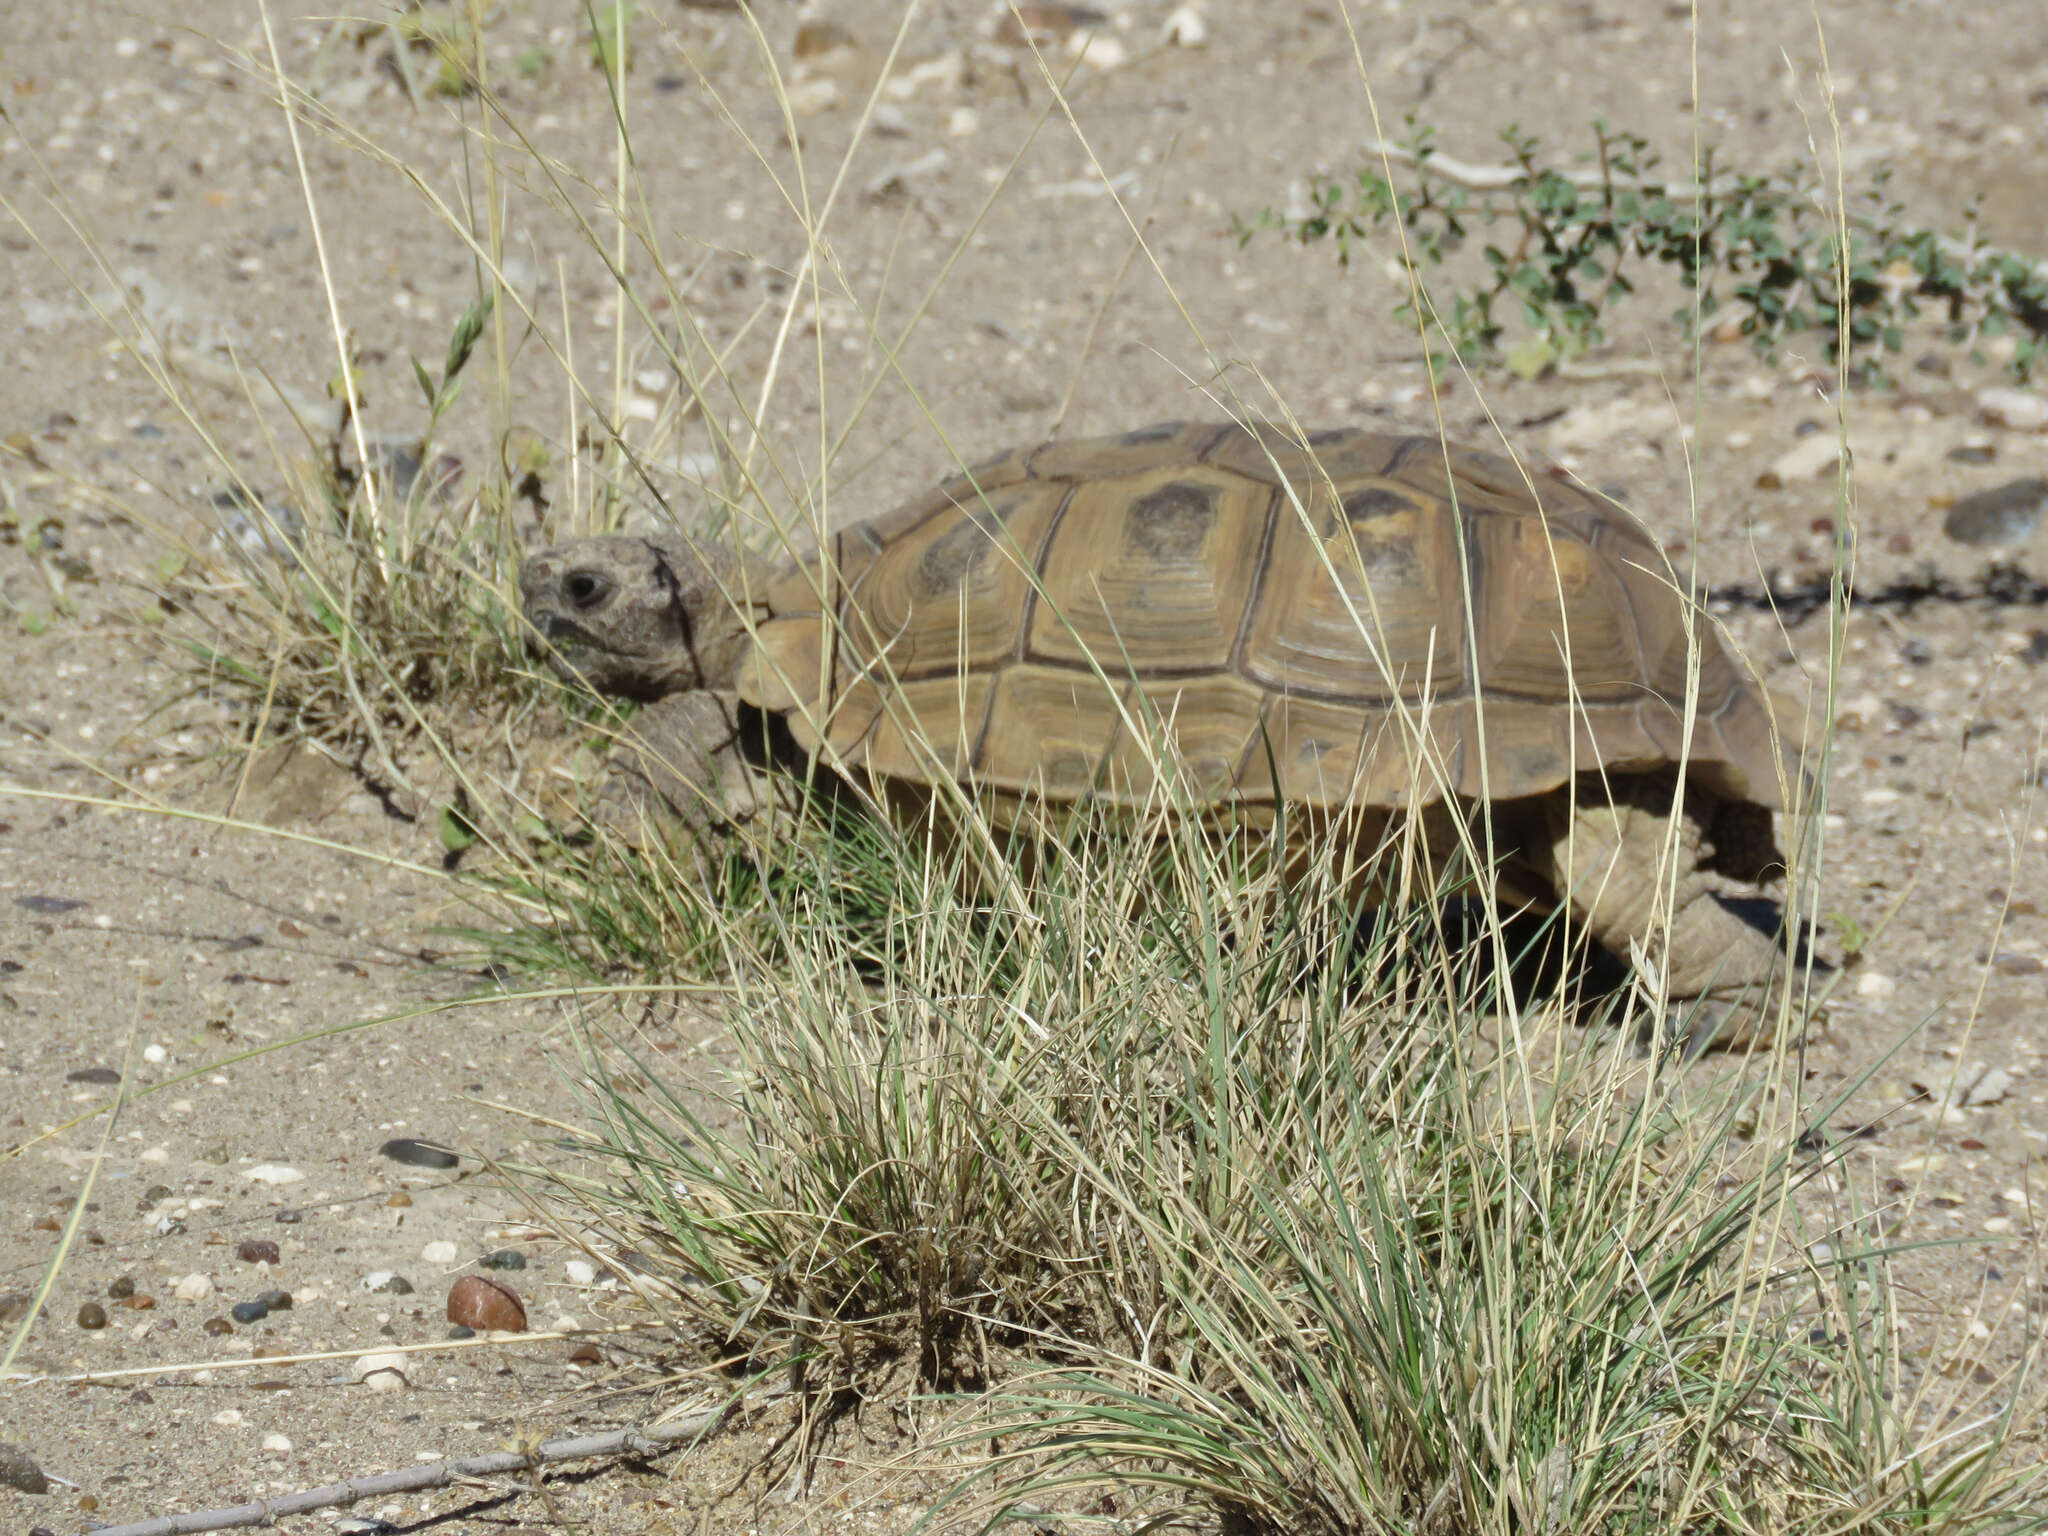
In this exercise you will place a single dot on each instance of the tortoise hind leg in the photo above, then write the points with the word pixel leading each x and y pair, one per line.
pixel 1616 864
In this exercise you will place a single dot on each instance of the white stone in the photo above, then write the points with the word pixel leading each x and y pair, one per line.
pixel 155 1055
pixel 580 1271
pixel 963 122
pixel 228 1416
pixel 194 1287
pixel 1875 984
pixel 274 1173
pixel 381 1372
pixel 1994 1085
pixel 442 1252
pixel 276 1442
pixel 807 98
pixel 1099 51
pixel 2020 409
pixel 1186 28
pixel 1808 457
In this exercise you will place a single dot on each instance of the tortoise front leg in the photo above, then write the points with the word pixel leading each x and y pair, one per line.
pixel 1615 865
pixel 680 762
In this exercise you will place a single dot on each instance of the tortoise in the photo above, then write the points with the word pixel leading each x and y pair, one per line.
pixel 1344 622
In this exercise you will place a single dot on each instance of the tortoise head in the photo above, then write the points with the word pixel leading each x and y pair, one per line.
pixel 636 617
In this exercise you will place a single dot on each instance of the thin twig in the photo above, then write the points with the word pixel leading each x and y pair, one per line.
pixel 437 1474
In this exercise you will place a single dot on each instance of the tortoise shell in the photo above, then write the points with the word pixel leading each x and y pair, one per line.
pixel 1374 621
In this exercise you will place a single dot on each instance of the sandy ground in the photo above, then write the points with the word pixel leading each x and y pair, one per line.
pixel 167 947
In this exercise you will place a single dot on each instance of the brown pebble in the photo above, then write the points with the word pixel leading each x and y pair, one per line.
pixel 817 37
pixel 88 1502
pixel 2021 965
pixel 1900 543
pixel 122 1288
pixel 486 1305
pixel 1970 1144
pixel 270 1352
pixel 1043 23
pixel 586 1353
pixel 399 1200
pixel 46 1224
pixel 290 929
pixel 214 1327
pixel 140 1301
pixel 92 1315
pixel 257 1250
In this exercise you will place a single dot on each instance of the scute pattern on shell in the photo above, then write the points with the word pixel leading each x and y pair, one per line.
pixel 1292 624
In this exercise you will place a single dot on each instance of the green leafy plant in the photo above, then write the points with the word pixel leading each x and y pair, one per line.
pixel 1563 244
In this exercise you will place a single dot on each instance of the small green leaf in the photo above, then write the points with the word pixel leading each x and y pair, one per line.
pixel 1531 357
pixel 456 831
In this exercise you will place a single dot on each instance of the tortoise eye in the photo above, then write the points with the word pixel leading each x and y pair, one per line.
pixel 585 589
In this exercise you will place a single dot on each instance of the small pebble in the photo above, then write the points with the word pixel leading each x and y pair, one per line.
pixel 2005 515
pixel 418 1154
pixel 277 1442
pixel 1186 28
pixel 1994 1085
pixel 122 1288
pixel 1812 456
pixel 807 98
pixel 273 1173
pixel 194 1287
pixel 486 1305
pixel 398 1200
pixel 442 1252
pixel 387 1283
pixel 276 1301
pixel 380 1373
pixel 141 1301
pixel 104 1076
pixel 228 1417
pixel 1034 21
pixel 504 1258
pixel 216 1327
pixel 92 1315
pixel 257 1250
pixel 2019 409
pixel 18 1469
pixel 814 39
pixel 580 1271
pixel 155 1055
pixel 247 1312
pixel 51 906
pixel 1972 453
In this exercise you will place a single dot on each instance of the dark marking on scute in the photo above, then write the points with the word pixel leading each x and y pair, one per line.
pixel 1158 432
pixel 1376 501
pixel 1172 524
pixel 951 560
